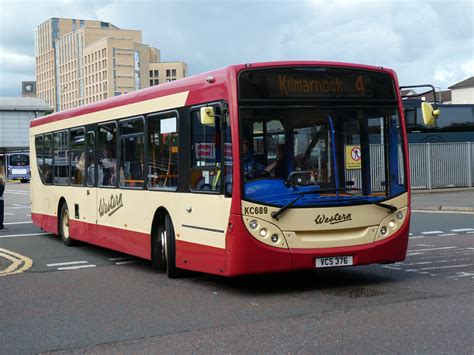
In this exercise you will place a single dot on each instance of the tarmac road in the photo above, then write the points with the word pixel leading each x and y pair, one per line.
pixel 90 300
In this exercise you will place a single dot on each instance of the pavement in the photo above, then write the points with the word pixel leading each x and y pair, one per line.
pixel 456 200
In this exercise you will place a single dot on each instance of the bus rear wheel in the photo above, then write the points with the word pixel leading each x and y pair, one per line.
pixel 164 249
pixel 64 226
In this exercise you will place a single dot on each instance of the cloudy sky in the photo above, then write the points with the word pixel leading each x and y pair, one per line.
pixel 425 41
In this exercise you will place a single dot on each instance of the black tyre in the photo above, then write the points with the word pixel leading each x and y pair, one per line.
pixel 171 269
pixel 64 226
pixel 158 248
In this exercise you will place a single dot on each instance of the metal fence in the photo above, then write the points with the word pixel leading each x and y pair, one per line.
pixel 432 165
pixel 441 165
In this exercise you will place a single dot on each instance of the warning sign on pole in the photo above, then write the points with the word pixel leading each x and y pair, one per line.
pixel 353 156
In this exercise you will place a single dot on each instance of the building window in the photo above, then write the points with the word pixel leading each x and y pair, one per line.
pixel 173 72
pixel 151 72
pixel 157 81
pixel 151 82
pixel 157 73
pixel 168 72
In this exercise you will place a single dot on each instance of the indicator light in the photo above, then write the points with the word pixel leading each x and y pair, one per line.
pixel 383 230
pixel 392 224
pixel 275 238
pixel 399 216
pixel 253 224
pixel 263 232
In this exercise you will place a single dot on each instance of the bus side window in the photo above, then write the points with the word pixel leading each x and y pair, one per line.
pixel 91 152
pixel 107 154
pixel 132 152
pixel 78 157
pixel 206 153
pixel 39 155
pixel 47 168
pixel 162 167
pixel 61 158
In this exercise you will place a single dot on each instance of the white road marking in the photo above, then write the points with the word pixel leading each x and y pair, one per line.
pixel 447 212
pixel 76 267
pixel 432 232
pixel 120 258
pixel 417 237
pixel 128 262
pixel 21 235
pixel 445 267
pixel 462 274
pixel 462 230
pixel 21 222
pixel 68 263
pixel 470 232
pixel 447 234
pixel 430 249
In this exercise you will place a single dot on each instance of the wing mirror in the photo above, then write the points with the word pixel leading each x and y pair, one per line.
pixel 429 114
pixel 208 116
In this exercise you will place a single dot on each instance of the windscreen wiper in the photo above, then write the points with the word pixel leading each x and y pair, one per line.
pixel 282 210
pixel 391 208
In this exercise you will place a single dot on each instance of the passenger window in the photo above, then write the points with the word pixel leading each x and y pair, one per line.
pixel 107 154
pixel 91 152
pixel 39 155
pixel 47 168
pixel 61 158
pixel 163 151
pixel 206 154
pixel 132 153
pixel 78 157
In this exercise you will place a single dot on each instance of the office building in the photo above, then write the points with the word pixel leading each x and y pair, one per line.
pixel 83 61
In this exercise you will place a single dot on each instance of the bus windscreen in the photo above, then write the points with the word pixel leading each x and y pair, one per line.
pixel 315 83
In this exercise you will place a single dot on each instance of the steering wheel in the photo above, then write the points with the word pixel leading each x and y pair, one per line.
pixel 256 174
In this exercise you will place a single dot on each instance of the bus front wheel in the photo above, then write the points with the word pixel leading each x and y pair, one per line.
pixel 64 226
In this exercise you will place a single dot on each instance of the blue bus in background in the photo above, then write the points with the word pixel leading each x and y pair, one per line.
pixel 454 124
pixel 18 166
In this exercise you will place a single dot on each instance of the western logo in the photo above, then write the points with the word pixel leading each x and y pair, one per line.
pixel 110 206
pixel 334 219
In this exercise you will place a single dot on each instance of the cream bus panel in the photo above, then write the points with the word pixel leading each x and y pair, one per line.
pixel 139 108
pixel 332 226
pixel 204 218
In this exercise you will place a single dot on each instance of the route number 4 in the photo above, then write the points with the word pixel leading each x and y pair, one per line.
pixel 359 85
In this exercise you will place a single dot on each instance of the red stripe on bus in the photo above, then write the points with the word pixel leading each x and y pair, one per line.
pixel 201 258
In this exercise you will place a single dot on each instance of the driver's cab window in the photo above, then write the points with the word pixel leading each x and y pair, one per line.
pixel 264 152
pixel 207 152
pixel 311 150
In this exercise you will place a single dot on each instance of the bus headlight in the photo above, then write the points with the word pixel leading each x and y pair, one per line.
pixel 383 230
pixel 399 215
pixel 263 232
pixel 392 224
pixel 275 238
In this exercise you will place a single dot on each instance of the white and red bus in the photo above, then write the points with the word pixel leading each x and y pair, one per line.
pixel 253 168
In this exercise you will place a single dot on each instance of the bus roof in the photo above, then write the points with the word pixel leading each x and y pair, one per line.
pixel 193 83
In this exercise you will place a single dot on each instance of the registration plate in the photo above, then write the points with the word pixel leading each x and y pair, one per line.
pixel 334 261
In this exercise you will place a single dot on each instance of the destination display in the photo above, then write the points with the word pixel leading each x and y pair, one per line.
pixel 317 83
